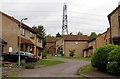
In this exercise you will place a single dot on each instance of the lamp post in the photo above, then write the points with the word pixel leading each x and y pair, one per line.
pixel 20 40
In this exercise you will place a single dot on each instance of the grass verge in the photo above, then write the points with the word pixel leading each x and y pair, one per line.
pixel 13 74
pixel 86 68
pixel 78 58
pixel 49 62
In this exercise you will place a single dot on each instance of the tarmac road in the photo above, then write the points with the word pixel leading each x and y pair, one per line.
pixel 68 69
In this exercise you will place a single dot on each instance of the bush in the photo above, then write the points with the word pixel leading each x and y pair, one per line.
pixel 72 52
pixel 100 57
pixel 114 55
pixel 113 67
pixel 29 66
pixel 44 54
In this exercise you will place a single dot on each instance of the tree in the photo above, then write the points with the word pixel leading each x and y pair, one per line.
pixel 71 33
pixel 58 35
pixel 49 36
pixel 39 30
pixel 79 33
pixel 92 35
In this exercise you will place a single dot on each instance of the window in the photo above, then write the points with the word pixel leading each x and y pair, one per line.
pixel 22 31
pixel 31 35
pixel 39 40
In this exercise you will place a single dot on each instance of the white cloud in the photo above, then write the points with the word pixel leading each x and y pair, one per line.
pixel 83 15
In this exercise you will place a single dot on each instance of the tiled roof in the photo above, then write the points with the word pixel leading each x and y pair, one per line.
pixel 18 22
pixel 114 10
pixel 75 37
pixel 51 40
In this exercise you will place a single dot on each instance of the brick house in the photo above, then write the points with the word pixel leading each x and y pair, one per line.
pixel 90 49
pixel 59 46
pixel 30 41
pixel 114 21
pixel 75 42
pixel 51 45
pixel 100 40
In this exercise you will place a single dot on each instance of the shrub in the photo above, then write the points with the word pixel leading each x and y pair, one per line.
pixel 114 55
pixel 44 54
pixel 29 66
pixel 113 67
pixel 100 57
pixel 72 52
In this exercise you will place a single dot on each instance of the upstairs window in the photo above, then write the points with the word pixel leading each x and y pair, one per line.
pixel 22 31
pixel 31 35
pixel 39 40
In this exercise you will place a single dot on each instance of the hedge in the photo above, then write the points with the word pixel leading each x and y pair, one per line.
pixel 113 66
pixel 100 57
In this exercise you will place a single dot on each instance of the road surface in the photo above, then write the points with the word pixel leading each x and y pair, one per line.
pixel 68 69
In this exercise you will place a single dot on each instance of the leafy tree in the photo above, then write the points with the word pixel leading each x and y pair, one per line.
pixel 79 33
pixel 71 33
pixel 40 30
pixel 92 35
pixel 58 35
pixel 49 36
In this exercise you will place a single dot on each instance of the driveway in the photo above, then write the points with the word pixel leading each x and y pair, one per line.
pixel 67 69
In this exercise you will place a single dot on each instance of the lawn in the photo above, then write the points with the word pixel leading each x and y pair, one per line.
pixel 86 68
pixel 78 58
pixel 49 62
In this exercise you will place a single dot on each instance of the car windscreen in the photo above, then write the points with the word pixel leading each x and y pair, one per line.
pixel 28 53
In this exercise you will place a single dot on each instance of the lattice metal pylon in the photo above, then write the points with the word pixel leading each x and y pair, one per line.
pixel 64 20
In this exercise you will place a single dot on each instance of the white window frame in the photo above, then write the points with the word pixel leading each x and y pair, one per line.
pixel 31 35
pixel 22 31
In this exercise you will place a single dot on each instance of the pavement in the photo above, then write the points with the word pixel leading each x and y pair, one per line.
pixel 95 74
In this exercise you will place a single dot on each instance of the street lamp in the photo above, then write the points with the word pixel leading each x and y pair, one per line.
pixel 20 40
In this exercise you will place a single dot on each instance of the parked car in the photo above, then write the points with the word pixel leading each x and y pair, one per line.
pixel 24 57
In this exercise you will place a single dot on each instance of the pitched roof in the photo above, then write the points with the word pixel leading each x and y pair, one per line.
pixel 75 37
pixel 51 40
pixel 114 11
pixel 18 22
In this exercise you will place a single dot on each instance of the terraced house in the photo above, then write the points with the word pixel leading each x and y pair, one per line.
pixel 114 20
pixel 11 33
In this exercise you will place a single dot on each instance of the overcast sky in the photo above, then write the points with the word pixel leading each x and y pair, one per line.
pixel 85 16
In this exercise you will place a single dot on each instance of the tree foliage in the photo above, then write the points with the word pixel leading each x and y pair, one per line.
pixel 92 35
pixel 79 33
pixel 58 35
pixel 40 30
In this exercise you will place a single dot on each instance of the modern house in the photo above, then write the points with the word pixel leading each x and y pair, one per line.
pixel 51 45
pixel 64 45
pixel 100 40
pixel 87 52
pixel 75 42
pixel 12 33
pixel 114 21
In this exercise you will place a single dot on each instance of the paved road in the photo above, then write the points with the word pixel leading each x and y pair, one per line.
pixel 67 69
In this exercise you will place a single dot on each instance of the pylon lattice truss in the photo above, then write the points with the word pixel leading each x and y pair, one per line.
pixel 64 20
